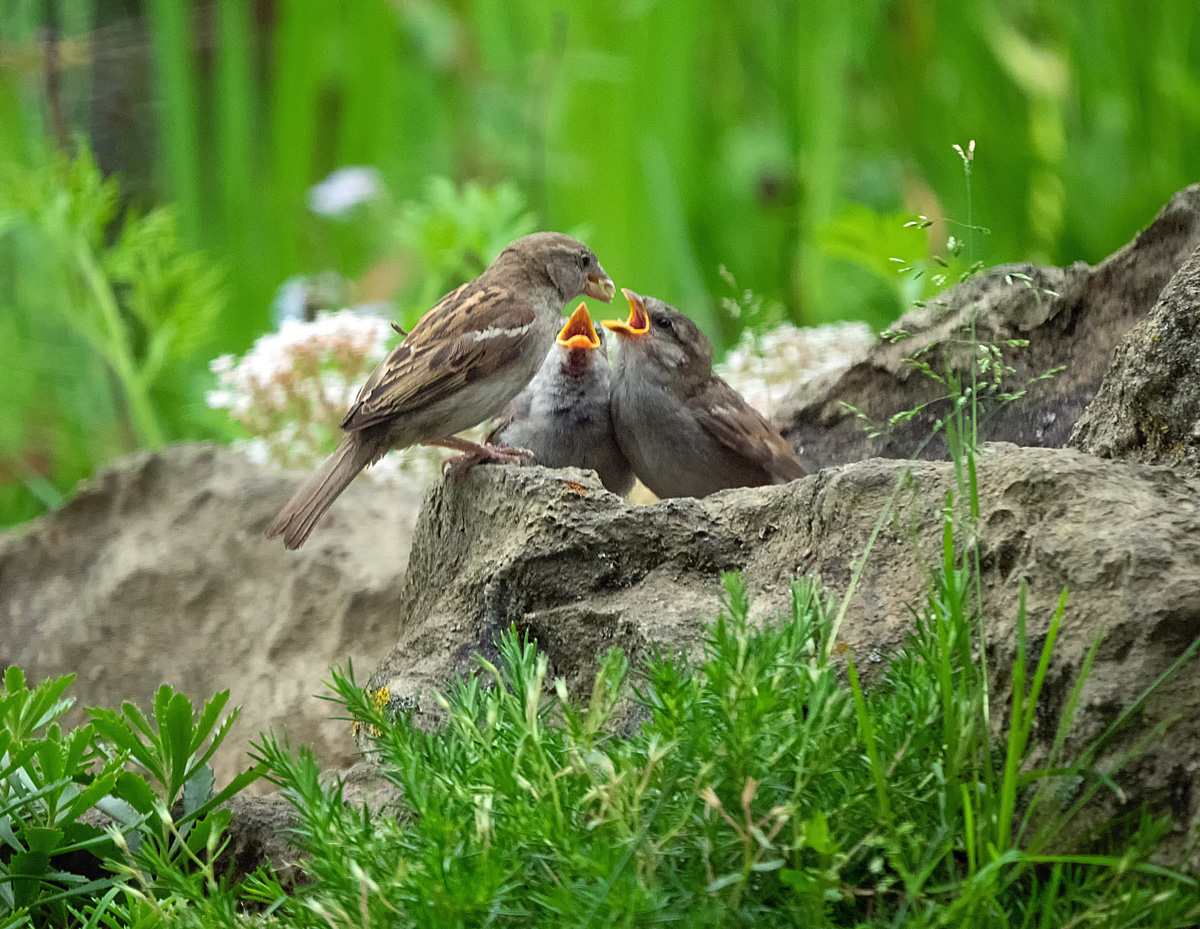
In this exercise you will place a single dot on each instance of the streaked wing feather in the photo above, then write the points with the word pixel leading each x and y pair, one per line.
pixel 743 430
pixel 429 365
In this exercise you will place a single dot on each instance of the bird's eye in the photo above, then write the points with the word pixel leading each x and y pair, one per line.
pixel 663 323
pixel 583 259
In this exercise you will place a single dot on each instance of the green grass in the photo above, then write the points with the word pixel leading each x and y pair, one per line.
pixel 763 788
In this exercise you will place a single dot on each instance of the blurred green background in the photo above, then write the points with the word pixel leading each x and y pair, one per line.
pixel 156 159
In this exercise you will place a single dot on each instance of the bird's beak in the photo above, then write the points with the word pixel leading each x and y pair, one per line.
pixel 638 323
pixel 600 286
pixel 579 332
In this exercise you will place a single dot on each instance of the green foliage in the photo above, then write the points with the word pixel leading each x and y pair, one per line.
pixel 453 233
pixel 760 789
pixel 173 749
pixel 104 324
pixel 48 780
pixel 779 139
pixel 54 859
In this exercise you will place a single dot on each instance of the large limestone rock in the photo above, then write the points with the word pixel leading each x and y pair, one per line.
pixel 157 571
pixel 1148 408
pixel 1073 318
pixel 579 570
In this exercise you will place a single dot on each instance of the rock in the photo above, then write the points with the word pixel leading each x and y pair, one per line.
pixel 157 571
pixel 1148 407
pixel 1073 318
pixel 579 570
pixel 260 828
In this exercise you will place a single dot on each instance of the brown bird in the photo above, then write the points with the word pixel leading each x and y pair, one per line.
pixel 564 416
pixel 686 432
pixel 461 364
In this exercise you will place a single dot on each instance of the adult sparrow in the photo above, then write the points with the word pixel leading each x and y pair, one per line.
pixel 564 416
pixel 461 364
pixel 686 432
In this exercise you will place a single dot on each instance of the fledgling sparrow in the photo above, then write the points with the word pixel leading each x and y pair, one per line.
pixel 686 432
pixel 461 364
pixel 563 416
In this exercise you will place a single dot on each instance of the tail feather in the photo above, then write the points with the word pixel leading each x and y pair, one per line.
pixel 296 520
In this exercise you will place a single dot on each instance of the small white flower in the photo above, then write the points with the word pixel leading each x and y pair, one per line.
pixel 343 190
pixel 219 399
pixel 256 450
pixel 334 390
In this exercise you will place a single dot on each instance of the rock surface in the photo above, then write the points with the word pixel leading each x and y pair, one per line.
pixel 157 571
pixel 580 570
pixel 1073 317
pixel 1148 408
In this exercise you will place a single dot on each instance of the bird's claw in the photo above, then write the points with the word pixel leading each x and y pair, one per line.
pixel 458 465
pixel 512 454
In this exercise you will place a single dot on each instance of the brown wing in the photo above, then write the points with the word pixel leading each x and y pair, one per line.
pixel 472 330
pixel 742 429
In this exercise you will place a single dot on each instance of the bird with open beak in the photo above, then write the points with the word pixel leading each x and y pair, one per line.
pixel 563 417
pixel 461 364
pixel 686 432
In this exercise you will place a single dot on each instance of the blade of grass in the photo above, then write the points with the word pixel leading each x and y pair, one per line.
pixel 173 41
pixel 867 735
pixel 235 117
pixel 295 89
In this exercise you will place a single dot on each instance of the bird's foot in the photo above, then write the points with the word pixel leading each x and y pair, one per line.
pixel 474 454
pixel 513 454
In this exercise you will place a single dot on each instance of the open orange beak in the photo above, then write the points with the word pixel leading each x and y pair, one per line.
pixel 579 332
pixel 639 321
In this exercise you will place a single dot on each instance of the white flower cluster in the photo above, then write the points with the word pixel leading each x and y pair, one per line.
pixel 765 367
pixel 291 390
pixel 303 362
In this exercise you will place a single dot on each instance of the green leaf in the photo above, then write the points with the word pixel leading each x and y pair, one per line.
pixel 134 790
pixel 198 790
pixel 209 719
pixel 212 825
pixel 175 726
pixel 239 783
pixel 725 881
pixel 14 680
pixel 42 840
pixel 816 834
pixel 100 786
pixel 26 870
pixel 133 713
